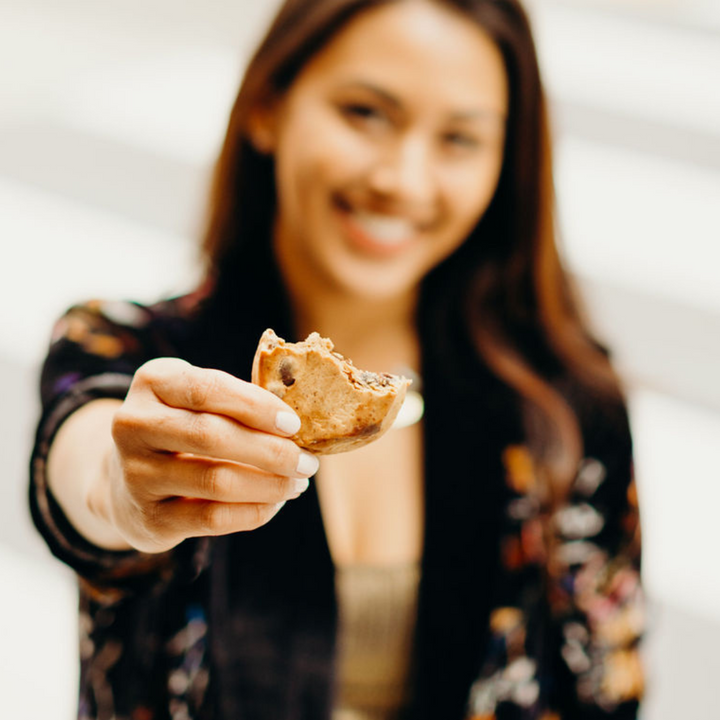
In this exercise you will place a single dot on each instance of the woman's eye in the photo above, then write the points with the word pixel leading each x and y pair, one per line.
pixel 363 113
pixel 462 141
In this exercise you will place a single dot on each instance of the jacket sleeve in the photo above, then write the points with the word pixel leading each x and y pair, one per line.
pixel 565 632
pixel 95 350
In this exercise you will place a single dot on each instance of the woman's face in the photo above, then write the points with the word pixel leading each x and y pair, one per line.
pixel 388 147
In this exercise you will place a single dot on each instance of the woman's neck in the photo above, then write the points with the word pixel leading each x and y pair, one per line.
pixel 378 335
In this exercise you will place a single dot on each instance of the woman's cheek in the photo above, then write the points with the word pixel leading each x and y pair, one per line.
pixel 475 188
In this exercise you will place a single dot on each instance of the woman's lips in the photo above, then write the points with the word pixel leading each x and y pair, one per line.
pixel 375 233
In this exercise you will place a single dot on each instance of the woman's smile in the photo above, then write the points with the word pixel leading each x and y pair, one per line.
pixel 376 234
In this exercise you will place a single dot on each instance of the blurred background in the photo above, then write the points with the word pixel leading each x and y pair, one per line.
pixel 111 114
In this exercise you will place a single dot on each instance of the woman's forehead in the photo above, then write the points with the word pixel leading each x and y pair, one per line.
pixel 415 45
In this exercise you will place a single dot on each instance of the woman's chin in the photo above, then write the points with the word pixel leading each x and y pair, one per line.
pixel 374 286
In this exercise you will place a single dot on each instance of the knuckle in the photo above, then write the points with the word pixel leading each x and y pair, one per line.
pixel 281 489
pixel 134 475
pixel 214 482
pixel 124 424
pixel 255 399
pixel 199 431
pixel 150 372
pixel 153 517
pixel 157 371
pixel 130 426
pixel 214 518
pixel 258 516
pixel 199 388
pixel 281 453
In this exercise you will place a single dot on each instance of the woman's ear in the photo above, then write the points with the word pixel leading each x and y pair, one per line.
pixel 262 125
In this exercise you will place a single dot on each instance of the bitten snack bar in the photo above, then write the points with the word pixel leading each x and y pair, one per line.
pixel 341 407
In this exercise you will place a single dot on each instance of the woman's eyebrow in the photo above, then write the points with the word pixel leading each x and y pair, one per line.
pixel 473 114
pixel 481 114
pixel 387 96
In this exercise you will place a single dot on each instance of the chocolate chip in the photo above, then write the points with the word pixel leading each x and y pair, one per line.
pixel 286 374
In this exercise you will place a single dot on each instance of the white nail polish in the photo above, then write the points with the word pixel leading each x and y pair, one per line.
pixel 300 485
pixel 287 422
pixel 307 464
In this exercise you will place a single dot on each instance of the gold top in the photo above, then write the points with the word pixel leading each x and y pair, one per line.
pixel 377 615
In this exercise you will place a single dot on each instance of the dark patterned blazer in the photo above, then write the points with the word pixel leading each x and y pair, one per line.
pixel 243 627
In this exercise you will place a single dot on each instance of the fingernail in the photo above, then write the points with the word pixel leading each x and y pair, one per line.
pixel 287 422
pixel 300 485
pixel 307 464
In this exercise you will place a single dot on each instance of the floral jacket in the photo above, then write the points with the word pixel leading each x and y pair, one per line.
pixel 510 626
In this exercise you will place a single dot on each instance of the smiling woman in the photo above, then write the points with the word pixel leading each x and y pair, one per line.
pixel 385 181
pixel 383 166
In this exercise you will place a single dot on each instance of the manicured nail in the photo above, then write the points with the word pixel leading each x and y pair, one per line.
pixel 300 485
pixel 307 464
pixel 287 422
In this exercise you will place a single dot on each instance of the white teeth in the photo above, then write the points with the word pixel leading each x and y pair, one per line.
pixel 384 229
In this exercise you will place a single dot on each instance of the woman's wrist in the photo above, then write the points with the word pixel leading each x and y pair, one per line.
pixel 98 501
pixel 79 474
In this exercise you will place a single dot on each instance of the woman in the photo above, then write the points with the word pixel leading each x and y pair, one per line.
pixel 385 181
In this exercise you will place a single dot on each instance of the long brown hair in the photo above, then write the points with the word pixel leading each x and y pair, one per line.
pixel 516 290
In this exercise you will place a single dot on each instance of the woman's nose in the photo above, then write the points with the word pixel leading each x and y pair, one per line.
pixel 405 172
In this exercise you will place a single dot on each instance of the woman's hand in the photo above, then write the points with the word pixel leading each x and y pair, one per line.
pixel 197 452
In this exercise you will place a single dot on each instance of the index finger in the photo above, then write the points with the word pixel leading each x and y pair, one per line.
pixel 179 384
